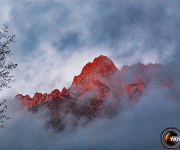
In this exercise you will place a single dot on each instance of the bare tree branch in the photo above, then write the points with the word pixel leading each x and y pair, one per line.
pixel 5 69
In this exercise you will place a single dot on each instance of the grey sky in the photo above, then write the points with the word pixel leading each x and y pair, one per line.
pixel 56 38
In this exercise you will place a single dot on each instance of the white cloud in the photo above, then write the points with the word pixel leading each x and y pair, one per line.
pixel 5 8
pixel 150 57
pixel 47 68
pixel 141 125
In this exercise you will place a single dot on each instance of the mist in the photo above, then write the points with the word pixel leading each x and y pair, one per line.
pixel 135 126
pixel 54 41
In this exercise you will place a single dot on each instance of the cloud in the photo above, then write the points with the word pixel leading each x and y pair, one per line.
pixel 51 69
pixel 136 127
pixel 55 39
pixel 148 23
pixel 128 29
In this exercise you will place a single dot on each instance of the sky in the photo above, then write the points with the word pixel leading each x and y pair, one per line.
pixel 56 38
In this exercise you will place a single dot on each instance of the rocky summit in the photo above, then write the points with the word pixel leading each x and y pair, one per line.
pixel 91 94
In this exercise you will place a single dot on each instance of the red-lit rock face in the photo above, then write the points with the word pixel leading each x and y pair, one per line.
pixel 26 100
pixel 99 81
pixel 94 78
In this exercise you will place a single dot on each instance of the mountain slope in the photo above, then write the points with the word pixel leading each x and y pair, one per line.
pixel 99 87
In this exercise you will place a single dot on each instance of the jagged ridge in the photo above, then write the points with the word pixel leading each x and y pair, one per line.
pixel 98 82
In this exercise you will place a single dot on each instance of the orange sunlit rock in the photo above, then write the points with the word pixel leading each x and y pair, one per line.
pixel 94 77
pixel 100 79
pixel 99 82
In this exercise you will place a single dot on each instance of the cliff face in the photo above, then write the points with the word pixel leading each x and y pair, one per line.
pixel 94 78
pixel 99 81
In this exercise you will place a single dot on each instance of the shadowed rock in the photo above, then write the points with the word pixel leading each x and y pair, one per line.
pixel 99 82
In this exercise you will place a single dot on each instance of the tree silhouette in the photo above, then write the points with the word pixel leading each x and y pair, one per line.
pixel 5 68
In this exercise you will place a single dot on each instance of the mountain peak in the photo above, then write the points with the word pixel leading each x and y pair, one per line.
pixel 94 75
pixel 101 66
pixel 99 82
pixel 101 59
